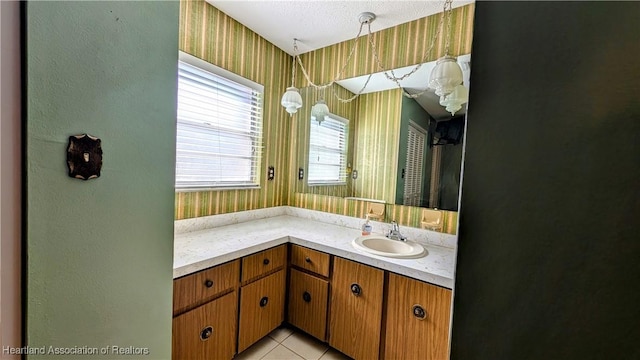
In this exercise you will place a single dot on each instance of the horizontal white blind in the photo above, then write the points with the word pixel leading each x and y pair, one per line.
pixel 219 129
pixel 328 151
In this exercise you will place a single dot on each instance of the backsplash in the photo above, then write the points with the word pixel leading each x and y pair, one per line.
pixel 403 215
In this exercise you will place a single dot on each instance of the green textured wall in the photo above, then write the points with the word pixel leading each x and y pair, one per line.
pixel 211 35
pixel 99 252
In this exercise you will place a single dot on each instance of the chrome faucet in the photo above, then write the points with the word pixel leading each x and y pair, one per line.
pixel 394 232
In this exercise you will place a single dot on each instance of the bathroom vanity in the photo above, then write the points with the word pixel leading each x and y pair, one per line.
pixel 232 277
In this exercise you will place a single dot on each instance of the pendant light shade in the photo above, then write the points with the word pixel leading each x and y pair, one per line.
pixel 453 102
pixel 445 76
pixel 320 110
pixel 292 100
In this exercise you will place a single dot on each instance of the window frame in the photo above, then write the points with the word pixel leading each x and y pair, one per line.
pixel 343 176
pixel 257 136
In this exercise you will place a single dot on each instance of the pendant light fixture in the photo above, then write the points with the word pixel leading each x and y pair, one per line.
pixel 445 77
pixel 291 100
pixel 453 102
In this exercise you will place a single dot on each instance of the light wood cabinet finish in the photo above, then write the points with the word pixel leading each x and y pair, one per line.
pixel 195 289
pixel 220 316
pixel 308 296
pixel 356 320
pixel 311 260
pixel 256 265
pixel 261 308
pixel 408 336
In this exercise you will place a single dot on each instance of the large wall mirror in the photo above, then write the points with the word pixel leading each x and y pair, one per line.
pixel 399 150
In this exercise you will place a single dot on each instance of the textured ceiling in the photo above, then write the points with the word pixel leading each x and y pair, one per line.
pixel 317 24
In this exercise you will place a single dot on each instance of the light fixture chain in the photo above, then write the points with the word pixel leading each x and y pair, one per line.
pixel 447 13
pixel 393 77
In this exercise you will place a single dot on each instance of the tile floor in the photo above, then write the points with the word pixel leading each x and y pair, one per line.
pixel 286 344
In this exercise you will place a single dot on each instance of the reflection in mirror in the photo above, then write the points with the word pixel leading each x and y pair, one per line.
pixel 401 153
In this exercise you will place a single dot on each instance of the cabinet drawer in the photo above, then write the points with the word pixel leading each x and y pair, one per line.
pixel 198 288
pixel 206 332
pixel 256 265
pixel 261 308
pixel 312 260
pixel 308 296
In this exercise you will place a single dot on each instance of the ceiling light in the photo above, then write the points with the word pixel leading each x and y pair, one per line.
pixel 453 102
pixel 320 110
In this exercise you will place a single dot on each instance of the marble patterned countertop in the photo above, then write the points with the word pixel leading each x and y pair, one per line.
pixel 201 243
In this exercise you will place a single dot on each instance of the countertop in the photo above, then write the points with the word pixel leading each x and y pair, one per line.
pixel 201 249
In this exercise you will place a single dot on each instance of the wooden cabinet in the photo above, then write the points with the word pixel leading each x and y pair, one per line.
pixel 308 296
pixel 356 309
pixel 261 308
pixel 209 330
pixel 417 320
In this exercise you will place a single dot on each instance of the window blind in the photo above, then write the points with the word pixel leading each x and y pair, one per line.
pixel 219 128
pixel 416 138
pixel 328 151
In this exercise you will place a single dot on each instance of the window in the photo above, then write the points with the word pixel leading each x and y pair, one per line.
pixel 219 127
pixel 328 151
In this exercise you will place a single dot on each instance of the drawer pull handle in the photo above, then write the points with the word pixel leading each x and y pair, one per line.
pixel 264 301
pixel 265 261
pixel 306 296
pixel 419 312
pixel 205 334
pixel 356 289
pixel 208 283
pixel 307 259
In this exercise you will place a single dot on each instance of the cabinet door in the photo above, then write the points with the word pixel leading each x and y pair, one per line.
pixel 417 321
pixel 206 332
pixel 261 308
pixel 308 297
pixel 356 309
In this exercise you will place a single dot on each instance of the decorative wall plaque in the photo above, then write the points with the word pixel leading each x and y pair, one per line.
pixel 84 157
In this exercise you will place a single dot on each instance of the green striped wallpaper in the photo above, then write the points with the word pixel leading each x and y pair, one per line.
pixel 399 46
pixel 377 139
pixel 213 36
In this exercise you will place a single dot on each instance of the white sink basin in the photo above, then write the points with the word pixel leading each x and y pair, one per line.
pixel 380 245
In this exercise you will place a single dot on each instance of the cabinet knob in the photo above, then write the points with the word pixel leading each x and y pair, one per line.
pixel 205 334
pixel 306 296
pixel 265 261
pixel 419 312
pixel 208 283
pixel 356 289
pixel 307 259
pixel 264 301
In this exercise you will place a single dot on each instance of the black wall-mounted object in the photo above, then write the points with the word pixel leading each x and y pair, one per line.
pixel 300 173
pixel 84 157
pixel 271 173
